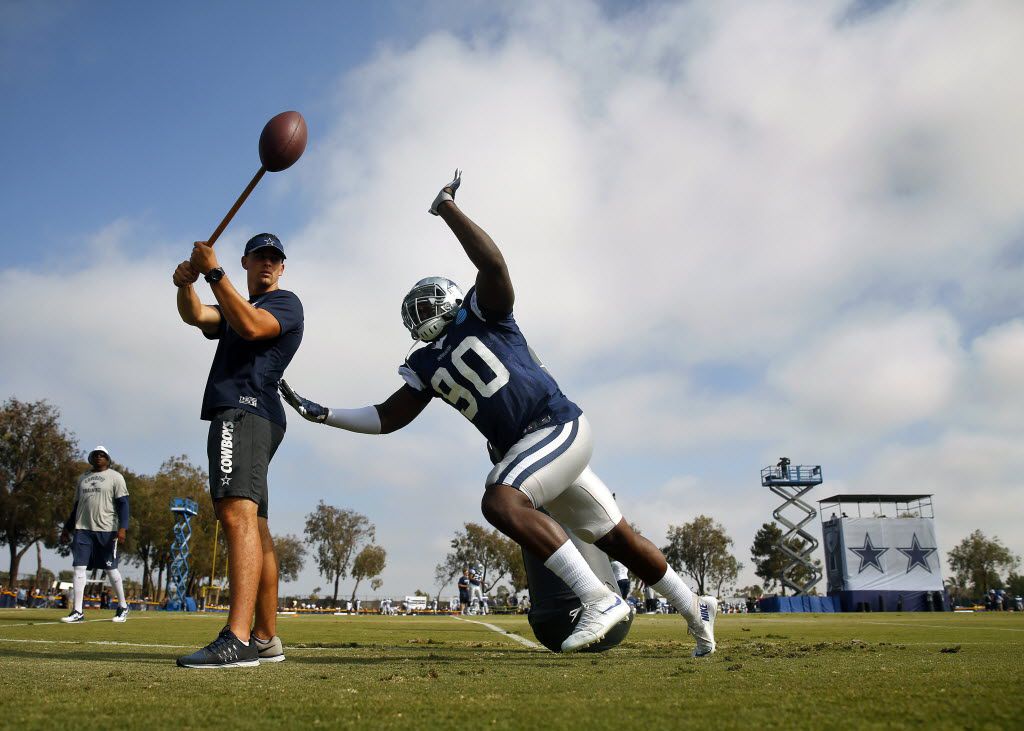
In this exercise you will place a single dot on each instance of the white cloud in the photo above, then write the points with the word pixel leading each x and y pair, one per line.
pixel 881 372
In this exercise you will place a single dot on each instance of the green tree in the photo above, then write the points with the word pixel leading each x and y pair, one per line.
pixel 151 531
pixel 700 549
pixel 977 562
pixel 769 559
pixel 149 522
pixel 337 534
pixel 512 560
pixel 476 545
pixel 291 555
pixel 754 591
pixel 724 571
pixel 38 467
pixel 368 564
pixel 1015 584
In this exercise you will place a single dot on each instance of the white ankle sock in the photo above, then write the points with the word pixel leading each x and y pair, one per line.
pixel 568 564
pixel 79 584
pixel 114 577
pixel 678 593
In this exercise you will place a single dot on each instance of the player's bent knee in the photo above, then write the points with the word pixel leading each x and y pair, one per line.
pixel 500 505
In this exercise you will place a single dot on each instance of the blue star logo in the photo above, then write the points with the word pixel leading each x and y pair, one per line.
pixel 918 556
pixel 869 555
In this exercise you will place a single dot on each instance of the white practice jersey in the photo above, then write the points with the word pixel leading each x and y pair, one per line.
pixel 95 495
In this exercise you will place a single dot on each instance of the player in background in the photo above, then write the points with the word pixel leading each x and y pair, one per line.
pixel 476 593
pixel 98 523
pixel 256 340
pixel 621 574
pixel 475 358
pixel 464 592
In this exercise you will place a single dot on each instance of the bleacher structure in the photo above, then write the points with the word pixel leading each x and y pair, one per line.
pixel 886 556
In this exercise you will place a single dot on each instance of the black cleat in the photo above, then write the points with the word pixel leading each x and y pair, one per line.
pixel 227 651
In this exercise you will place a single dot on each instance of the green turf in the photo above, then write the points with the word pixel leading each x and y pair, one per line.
pixel 793 671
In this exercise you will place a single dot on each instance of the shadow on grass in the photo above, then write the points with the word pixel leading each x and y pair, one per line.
pixel 91 656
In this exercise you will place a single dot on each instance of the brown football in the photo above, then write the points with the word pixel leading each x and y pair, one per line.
pixel 282 141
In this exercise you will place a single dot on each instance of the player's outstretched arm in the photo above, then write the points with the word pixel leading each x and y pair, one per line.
pixel 398 411
pixel 494 290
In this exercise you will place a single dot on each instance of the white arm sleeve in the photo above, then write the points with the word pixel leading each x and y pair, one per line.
pixel 364 421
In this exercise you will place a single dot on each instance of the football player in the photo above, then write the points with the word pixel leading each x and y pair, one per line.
pixel 476 594
pixel 464 592
pixel 475 358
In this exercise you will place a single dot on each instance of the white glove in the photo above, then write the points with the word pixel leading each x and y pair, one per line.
pixel 444 195
pixel 308 410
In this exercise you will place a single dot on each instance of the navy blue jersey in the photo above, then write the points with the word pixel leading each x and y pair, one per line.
pixel 245 373
pixel 483 367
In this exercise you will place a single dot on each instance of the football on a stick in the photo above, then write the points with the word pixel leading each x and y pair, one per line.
pixel 282 141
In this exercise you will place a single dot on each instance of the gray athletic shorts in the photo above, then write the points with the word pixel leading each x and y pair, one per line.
pixel 240 446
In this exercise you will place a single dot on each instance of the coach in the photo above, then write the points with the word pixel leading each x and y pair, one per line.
pixel 97 524
pixel 257 339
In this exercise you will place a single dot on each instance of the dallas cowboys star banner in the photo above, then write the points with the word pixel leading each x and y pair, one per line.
pixel 882 554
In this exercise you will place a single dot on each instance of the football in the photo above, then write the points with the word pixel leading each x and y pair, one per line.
pixel 282 141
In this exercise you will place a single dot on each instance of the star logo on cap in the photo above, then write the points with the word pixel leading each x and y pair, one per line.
pixel 225 480
pixel 917 556
pixel 869 555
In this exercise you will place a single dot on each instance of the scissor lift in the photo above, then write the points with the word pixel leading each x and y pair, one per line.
pixel 792 483
pixel 183 509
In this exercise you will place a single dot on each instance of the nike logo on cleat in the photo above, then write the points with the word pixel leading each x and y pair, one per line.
pixel 704 613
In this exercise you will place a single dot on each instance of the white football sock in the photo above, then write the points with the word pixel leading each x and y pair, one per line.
pixel 79 584
pixel 678 593
pixel 114 577
pixel 568 564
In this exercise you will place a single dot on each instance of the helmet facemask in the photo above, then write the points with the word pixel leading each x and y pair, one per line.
pixel 430 305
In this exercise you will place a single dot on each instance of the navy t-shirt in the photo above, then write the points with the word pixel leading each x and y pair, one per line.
pixel 245 373
pixel 483 367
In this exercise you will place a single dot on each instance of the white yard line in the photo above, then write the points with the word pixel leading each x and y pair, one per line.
pixel 947 626
pixel 495 628
pixel 133 618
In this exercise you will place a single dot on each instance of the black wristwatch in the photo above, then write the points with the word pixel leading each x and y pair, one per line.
pixel 214 275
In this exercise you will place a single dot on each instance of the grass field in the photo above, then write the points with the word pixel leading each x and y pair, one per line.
pixel 821 671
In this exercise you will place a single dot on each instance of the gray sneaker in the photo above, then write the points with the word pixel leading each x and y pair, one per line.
pixel 270 650
pixel 227 651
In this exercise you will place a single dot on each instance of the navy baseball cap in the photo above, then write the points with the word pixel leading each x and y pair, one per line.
pixel 262 241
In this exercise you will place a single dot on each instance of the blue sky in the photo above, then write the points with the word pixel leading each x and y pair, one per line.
pixel 139 110
pixel 737 231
